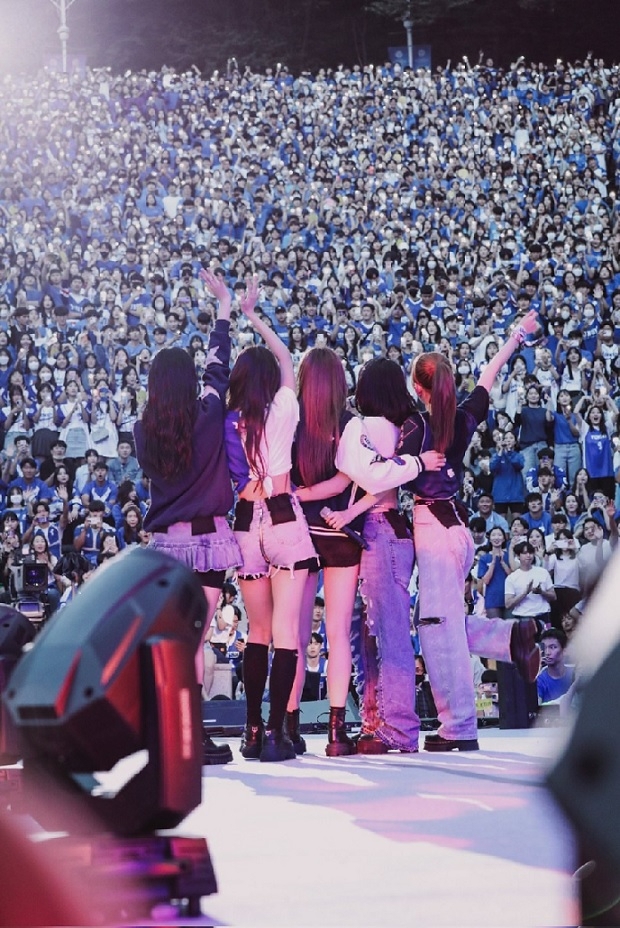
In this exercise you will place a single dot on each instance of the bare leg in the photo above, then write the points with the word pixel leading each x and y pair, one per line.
pixel 210 662
pixel 340 585
pixel 212 596
pixel 258 602
pixel 305 630
pixel 287 588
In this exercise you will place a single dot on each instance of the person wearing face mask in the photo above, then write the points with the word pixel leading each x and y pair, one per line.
pixel 5 369
pixel 590 327
pixel 465 381
pixel 30 369
pixel 45 432
pixel 573 378
pixel 606 347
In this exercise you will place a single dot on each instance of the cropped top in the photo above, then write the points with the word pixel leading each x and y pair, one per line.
pixel 275 446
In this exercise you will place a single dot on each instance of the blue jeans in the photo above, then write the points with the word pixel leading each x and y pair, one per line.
pixel 445 556
pixel 568 457
pixel 386 655
pixel 530 455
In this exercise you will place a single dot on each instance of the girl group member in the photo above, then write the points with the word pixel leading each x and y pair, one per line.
pixel 385 668
pixel 270 527
pixel 180 445
pixel 444 549
pixel 323 417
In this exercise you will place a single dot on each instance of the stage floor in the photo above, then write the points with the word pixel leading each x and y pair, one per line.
pixel 429 839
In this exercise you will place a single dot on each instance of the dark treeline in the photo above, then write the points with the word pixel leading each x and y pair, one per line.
pixel 303 34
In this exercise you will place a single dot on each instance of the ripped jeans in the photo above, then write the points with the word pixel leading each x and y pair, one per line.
pixel 384 655
pixel 447 636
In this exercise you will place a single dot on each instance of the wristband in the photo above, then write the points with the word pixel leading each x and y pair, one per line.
pixel 519 334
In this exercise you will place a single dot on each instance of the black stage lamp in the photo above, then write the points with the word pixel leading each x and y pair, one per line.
pixel 109 677
pixel 15 632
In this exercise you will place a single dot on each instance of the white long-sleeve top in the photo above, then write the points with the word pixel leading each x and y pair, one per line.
pixel 365 454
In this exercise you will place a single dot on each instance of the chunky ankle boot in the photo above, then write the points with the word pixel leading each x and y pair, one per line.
pixel 213 753
pixel 339 743
pixel 371 744
pixel 252 741
pixel 291 728
pixel 276 746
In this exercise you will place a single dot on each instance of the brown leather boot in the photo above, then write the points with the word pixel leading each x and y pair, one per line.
pixel 339 743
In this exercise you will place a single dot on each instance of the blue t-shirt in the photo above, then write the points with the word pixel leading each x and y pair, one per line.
pixel 550 688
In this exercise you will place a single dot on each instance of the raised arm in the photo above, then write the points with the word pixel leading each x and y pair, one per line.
pixel 217 370
pixel 527 326
pixel 216 286
pixel 273 341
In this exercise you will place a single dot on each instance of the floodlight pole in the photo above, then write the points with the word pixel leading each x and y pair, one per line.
pixel 408 24
pixel 63 30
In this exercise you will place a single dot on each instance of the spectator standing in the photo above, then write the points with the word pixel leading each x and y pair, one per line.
pixel 529 589
pixel 180 444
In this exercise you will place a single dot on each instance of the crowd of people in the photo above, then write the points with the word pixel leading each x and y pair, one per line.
pixel 384 213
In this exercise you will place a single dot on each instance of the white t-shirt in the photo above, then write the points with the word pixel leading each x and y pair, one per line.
pixel 220 636
pixel 565 571
pixel 592 558
pixel 534 603
pixel 278 435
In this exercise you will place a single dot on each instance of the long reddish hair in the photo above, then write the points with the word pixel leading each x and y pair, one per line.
pixel 433 372
pixel 322 391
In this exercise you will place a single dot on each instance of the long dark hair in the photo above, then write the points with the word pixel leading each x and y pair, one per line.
pixel 382 391
pixel 170 412
pixel 254 382
pixel 130 535
pixel 322 397
pixel 433 372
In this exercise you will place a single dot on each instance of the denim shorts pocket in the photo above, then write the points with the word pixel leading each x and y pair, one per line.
pixel 280 509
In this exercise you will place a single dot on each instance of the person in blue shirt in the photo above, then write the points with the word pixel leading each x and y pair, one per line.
pixel 506 467
pixel 535 516
pixel 280 326
pixel 41 525
pixel 32 487
pixel 555 679
pixel 88 536
pixel 493 568
pixel 316 663
pixel 100 488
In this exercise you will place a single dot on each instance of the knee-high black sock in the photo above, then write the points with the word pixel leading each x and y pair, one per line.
pixel 283 668
pixel 255 668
